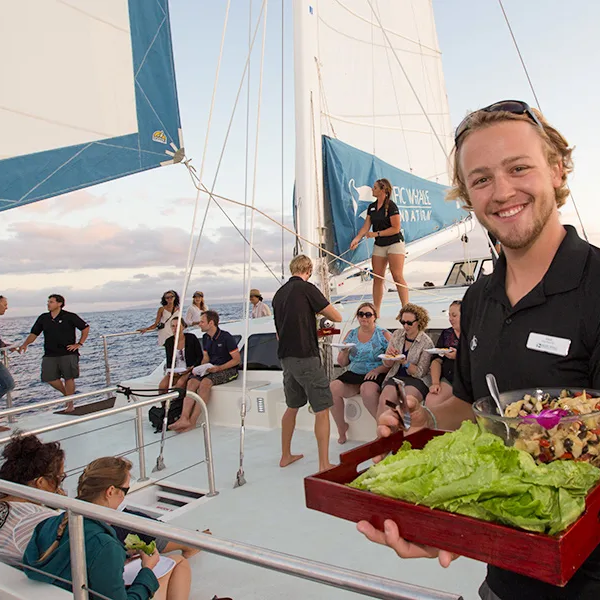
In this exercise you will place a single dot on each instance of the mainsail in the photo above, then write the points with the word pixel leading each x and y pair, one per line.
pixel 368 75
pixel 88 94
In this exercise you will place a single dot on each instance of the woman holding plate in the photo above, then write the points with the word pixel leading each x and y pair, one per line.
pixel 188 354
pixel 442 367
pixel 408 357
pixel 365 373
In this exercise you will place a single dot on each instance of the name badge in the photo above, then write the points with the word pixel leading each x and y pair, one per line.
pixel 548 343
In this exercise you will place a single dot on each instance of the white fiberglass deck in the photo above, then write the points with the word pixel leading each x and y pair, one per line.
pixel 268 511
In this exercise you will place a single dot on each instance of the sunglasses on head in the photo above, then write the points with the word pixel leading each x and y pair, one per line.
pixel 362 314
pixel 516 107
pixel 409 323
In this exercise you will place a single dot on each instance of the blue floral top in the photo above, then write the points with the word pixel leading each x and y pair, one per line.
pixel 363 357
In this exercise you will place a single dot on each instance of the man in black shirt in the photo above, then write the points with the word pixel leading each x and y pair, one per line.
pixel 295 306
pixel 60 365
pixel 535 322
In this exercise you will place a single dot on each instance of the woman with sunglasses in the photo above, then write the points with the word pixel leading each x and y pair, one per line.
pixel 388 249
pixel 194 312
pixel 168 310
pixel 104 482
pixel 365 373
pixel 410 342
pixel 27 461
pixel 442 367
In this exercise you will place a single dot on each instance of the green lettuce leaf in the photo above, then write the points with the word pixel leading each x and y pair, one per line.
pixel 473 473
pixel 133 542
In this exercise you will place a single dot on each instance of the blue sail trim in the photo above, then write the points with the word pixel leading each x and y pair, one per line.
pixel 33 177
pixel 348 175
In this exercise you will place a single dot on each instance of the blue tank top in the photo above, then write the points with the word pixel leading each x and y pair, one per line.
pixel 363 358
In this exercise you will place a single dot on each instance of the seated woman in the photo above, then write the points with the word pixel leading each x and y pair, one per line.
pixel 366 372
pixel 188 355
pixel 442 368
pixel 27 461
pixel 410 341
pixel 104 482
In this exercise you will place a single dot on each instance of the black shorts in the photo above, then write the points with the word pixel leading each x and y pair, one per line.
pixel 352 378
pixel 412 381
pixel 305 380
pixel 60 367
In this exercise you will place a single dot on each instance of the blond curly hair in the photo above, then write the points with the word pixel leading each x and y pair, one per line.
pixel 557 151
pixel 420 313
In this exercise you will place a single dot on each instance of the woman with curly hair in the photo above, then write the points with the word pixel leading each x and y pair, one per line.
pixel 27 461
pixel 167 311
pixel 410 342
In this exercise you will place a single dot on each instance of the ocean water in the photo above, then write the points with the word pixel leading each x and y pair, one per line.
pixel 129 356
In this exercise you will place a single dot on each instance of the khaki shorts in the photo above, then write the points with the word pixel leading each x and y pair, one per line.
pixel 383 251
pixel 305 380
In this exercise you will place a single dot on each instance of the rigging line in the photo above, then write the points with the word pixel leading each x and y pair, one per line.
pixel 310 243
pixel 282 137
pixel 262 260
pixel 390 127
pixel 514 39
pixel 237 97
pixel 247 141
pixel 414 91
pixel 373 81
pixel 387 30
pixel 243 409
pixel 323 95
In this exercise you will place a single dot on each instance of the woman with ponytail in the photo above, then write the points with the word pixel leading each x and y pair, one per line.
pixel 27 461
pixel 384 216
pixel 104 482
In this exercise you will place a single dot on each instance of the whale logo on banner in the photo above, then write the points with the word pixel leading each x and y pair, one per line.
pixel 348 174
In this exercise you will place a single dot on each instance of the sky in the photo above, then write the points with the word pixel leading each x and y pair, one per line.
pixel 121 244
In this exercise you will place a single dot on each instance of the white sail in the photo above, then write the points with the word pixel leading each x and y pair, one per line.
pixel 378 88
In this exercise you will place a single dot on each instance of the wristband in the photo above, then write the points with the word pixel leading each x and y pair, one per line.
pixel 435 425
pixel 406 365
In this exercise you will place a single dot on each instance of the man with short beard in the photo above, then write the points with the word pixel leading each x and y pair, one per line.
pixel 7 383
pixel 510 168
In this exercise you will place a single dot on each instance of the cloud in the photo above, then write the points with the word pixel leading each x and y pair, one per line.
pixel 35 247
pixel 62 205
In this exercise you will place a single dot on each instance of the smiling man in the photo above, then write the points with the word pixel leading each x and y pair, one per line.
pixel 511 168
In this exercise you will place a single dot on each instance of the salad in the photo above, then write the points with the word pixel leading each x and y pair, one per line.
pixel 133 542
pixel 564 427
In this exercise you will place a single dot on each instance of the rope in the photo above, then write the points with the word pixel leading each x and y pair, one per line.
pixel 247 141
pixel 282 138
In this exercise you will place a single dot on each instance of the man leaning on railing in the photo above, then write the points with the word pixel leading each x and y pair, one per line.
pixel 7 383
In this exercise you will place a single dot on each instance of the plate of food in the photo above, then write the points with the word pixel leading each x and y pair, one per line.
pixel 343 346
pixel 393 357
pixel 439 351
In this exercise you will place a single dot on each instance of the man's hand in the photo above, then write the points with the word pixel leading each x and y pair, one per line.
pixel 213 369
pixel 20 349
pixel 390 536
pixel 73 347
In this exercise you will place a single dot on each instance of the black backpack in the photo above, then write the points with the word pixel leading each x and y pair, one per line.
pixel 157 413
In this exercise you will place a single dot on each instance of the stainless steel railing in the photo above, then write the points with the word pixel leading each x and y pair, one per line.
pixel 139 430
pixel 9 399
pixel 338 577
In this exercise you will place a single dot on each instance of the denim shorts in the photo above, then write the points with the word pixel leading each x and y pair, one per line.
pixel 7 383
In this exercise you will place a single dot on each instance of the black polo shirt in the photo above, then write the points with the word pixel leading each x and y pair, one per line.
pixel 381 220
pixel 295 305
pixel 219 347
pixel 495 338
pixel 59 332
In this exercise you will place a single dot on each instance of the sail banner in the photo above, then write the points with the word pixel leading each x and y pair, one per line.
pixel 88 94
pixel 348 176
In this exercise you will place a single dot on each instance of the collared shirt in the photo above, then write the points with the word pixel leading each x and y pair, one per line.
pixel 416 354
pixel 295 306
pixel 219 347
pixel 59 331
pixel 494 339
pixel 382 220
pixel 260 309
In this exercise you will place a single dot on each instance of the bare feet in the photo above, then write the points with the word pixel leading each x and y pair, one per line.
pixel 343 439
pixel 325 467
pixel 180 424
pixel 288 460
pixel 69 407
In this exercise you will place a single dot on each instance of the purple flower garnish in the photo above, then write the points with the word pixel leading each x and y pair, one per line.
pixel 548 418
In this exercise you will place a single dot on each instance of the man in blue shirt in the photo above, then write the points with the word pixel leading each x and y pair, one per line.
pixel 221 351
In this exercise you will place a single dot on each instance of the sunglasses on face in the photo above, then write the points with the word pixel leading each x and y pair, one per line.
pixel 169 297
pixel 516 107
pixel 125 490
pixel 366 315
pixel 409 323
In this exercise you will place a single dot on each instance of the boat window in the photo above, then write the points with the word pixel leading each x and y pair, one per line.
pixel 487 266
pixel 262 353
pixel 461 273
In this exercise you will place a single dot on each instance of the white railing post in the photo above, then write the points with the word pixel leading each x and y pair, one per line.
pixel 139 443
pixel 106 363
pixel 78 562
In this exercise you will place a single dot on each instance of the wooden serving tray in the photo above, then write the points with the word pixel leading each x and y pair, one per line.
pixel 551 559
